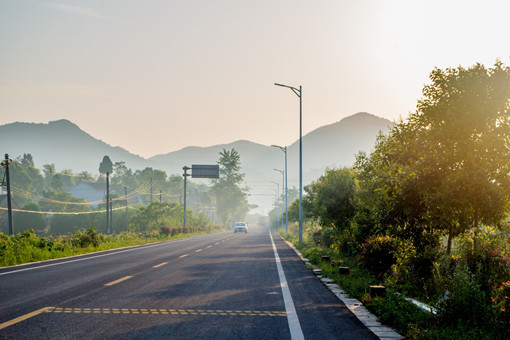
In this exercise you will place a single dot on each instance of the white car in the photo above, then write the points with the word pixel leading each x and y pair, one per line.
pixel 240 226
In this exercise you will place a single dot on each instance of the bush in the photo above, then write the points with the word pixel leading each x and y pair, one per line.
pixel 165 230
pixel 463 300
pixel 501 300
pixel 378 254
pixel 89 238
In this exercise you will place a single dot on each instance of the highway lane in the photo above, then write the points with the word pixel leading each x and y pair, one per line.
pixel 219 286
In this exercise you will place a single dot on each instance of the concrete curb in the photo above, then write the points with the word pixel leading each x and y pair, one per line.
pixel 355 306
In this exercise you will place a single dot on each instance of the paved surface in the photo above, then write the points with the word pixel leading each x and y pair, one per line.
pixel 219 286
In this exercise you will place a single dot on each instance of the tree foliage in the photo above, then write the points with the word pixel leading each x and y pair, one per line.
pixel 106 166
pixel 332 197
pixel 231 197
pixel 157 214
pixel 446 169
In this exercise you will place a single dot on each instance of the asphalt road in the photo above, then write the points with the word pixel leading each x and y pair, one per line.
pixel 219 286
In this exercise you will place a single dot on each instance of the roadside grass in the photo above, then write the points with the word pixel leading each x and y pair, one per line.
pixel 393 309
pixel 27 247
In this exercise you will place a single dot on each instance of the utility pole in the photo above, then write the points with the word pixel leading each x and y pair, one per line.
pixel 111 215
pixel 127 217
pixel 185 175
pixel 159 195
pixel 6 163
pixel 107 202
pixel 151 189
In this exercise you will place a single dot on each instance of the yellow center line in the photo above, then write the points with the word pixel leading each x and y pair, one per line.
pixel 217 243
pixel 117 281
pixel 155 311
pixel 183 256
pixel 198 250
pixel 209 246
pixel 159 265
pixel 23 317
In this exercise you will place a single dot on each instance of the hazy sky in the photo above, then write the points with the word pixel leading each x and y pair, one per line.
pixel 156 76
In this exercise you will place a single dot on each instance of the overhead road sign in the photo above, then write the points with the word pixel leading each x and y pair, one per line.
pixel 205 171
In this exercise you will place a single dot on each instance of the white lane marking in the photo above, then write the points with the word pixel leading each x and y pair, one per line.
pixel 292 318
pixel 112 252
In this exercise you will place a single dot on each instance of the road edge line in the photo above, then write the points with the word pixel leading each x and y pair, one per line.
pixel 296 333
pixel 355 306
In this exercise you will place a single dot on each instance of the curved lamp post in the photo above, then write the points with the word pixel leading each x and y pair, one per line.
pixel 299 93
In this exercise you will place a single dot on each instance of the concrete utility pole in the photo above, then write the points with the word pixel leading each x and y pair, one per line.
pixel 6 163
pixel 127 216
pixel 186 168
pixel 107 202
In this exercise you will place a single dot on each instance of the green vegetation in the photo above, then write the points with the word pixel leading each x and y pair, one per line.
pixel 231 198
pixel 28 247
pixel 52 193
pixel 426 214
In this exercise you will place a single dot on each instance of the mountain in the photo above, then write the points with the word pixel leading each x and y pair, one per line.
pixel 63 144
pixel 67 146
pixel 333 145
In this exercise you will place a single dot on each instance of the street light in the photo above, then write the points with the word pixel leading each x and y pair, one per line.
pixel 283 186
pixel 299 93
pixel 284 149
pixel 278 196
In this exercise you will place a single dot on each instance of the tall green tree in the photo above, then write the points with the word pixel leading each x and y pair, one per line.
pixel 231 194
pixel 106 165
pixel 332 197
pixel 446 169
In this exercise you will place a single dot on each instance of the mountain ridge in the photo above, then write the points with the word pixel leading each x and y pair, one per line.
pixel 330 145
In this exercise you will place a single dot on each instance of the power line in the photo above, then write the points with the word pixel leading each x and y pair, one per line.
pixel 65 212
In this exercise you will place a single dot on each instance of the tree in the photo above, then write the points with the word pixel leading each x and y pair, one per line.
pixel 159 214
pixel 106 166
pixel 231 198
pixel 447 168
pixel 27 221
pixel 464 120
pixel 332 197
pixel 66 223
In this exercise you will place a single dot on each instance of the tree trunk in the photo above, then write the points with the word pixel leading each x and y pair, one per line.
pixel 475 237
pixel 450 237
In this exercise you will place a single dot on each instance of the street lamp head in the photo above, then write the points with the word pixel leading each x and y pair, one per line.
pixel 283 148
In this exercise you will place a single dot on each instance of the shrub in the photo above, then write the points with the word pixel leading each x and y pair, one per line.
pixel 89 238
pixel 165 230
pixel 463 299
pixel 501 300
pixel 378 254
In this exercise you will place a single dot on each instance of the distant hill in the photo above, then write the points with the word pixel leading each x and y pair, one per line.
pixel 333 145
pixel 63 143
pixel 67 146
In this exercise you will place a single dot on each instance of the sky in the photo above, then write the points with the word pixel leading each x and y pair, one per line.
pixel 156 76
